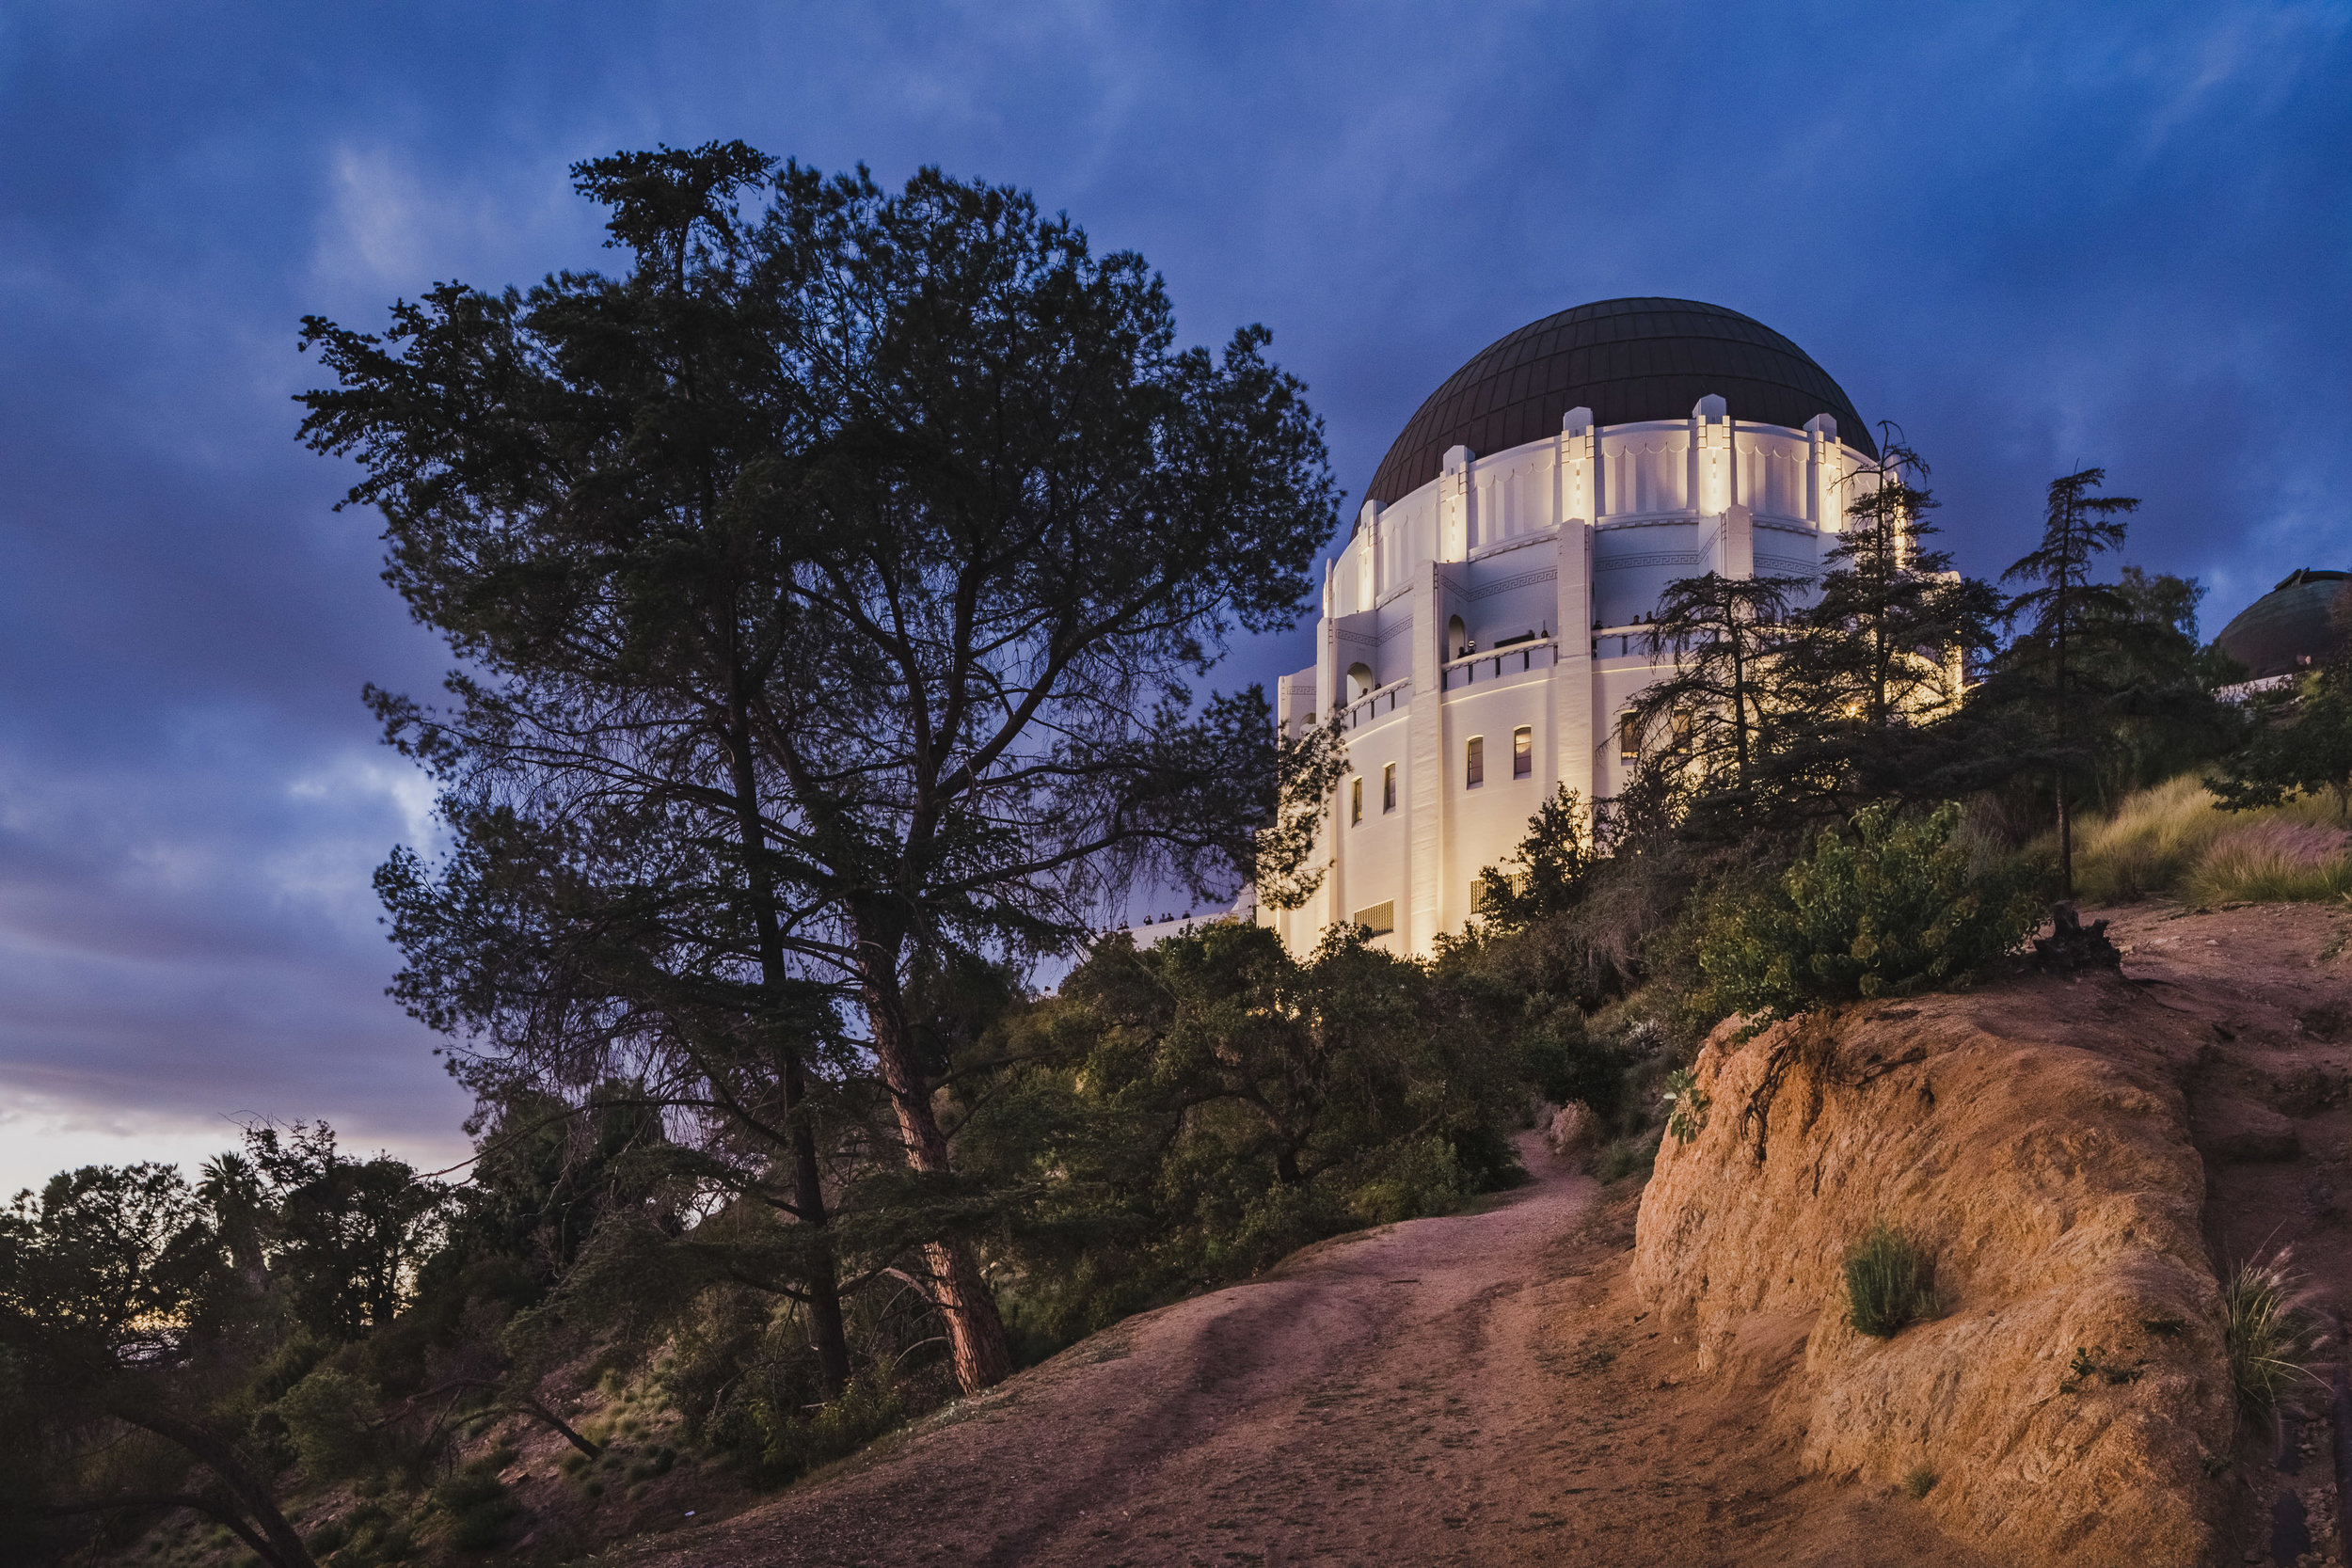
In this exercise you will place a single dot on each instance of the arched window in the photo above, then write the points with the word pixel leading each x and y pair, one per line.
pixel 1359 681
pixel 1456 638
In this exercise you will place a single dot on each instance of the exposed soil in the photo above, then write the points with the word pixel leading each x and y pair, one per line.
pixel 2270 985
pixel 1484 1388
pixel 1471 1389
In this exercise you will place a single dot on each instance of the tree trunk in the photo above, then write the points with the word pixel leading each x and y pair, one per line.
pixel 222 1459
pixel 2066 843
pixel 228 1516
pixel 827 1335
pixel 975 1332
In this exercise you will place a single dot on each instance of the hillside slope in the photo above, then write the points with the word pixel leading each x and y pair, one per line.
pixel 1523 1384
pixel 1474 1390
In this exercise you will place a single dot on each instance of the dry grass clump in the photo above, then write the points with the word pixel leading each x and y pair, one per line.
pixel 2269 1330
pixel 2172 838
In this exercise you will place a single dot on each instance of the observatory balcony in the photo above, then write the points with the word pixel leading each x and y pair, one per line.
pixel 1523 658
pixel 1378 704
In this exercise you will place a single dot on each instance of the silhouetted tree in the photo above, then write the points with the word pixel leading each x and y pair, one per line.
pixel 1548 872
pixel 1716 712
pixel 826 585
pixel 2065 610
pixel 1880 664
pixel 118 1310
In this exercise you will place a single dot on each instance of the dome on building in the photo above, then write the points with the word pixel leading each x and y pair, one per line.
pixel 1627 360
pixel 2289 628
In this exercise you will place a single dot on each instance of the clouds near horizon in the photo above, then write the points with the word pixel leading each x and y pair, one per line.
pixel 2038 237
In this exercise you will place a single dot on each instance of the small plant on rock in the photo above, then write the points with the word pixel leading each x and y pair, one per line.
pixel 1888 1283
pixel 1686 1105
pixel 2270 1332
pixel 1920 1483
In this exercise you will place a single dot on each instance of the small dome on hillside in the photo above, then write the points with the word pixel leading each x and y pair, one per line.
pixel 2291 626
pixel 1628 360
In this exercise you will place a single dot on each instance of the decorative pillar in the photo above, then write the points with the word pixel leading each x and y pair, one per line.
pixel 1454 504
pixel 1572 660
pixel 1572 676
pixel 1711 457
pixel 1735 551
pixel 1427 780
pixel 1825 496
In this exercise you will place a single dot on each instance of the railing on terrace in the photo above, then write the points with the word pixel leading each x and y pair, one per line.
pixel 1494 663
pixel 1363 709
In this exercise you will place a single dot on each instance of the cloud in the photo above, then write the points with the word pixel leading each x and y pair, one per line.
pixel 2034 235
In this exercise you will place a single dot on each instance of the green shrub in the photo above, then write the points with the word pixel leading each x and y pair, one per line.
pixel 1891 907
pixel 799 1441
pixel 1634 1155
pixel 1920 1483
pixel 1888 1286
pixel 2269 1331
pixel 330 1420
pixel 477 1505
pixel 1686 1105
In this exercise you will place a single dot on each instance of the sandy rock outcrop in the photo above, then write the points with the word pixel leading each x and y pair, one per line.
pixel 2071 1400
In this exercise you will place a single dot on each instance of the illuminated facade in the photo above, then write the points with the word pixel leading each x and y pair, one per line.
pixel 1481 632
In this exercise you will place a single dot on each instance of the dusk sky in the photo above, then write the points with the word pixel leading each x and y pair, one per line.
pixel 2037 236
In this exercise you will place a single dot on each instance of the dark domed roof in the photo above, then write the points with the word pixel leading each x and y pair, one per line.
pixel 1627 360
pixel 2288 628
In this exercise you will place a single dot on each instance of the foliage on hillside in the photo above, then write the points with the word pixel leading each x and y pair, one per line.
pixel 826 587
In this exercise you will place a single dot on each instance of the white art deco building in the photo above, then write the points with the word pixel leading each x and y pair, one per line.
pixel 1482 631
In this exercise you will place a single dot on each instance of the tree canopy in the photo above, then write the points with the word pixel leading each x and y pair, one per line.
pixel 827 586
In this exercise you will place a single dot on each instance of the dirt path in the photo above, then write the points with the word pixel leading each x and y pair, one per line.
pixel 1470 1389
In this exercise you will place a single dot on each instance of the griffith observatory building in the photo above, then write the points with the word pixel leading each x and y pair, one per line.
pixel 1481 634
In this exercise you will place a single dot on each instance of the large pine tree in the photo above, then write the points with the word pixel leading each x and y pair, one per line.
pixel 827 585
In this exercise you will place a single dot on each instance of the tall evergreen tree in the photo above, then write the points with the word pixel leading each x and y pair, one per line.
pixel 1886 648
pixel 827 585
pixel 2065 611
pixel 1717 711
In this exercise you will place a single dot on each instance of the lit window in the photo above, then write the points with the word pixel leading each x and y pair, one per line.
pixel 1355 800
pixel 1628 738
pixel 1388 787
pixel 1522 751
pixel 1477 771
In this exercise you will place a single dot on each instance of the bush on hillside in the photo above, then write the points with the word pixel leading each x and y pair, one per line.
pixel 1892 906
pixel 2270 1332
pixel 330 1417
pixel 1187 1114
pixel 1888 1286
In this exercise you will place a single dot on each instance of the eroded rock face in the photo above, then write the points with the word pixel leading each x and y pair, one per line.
pixel 2033 1144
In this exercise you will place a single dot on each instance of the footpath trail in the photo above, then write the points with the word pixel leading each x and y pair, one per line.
pixel 1473 1389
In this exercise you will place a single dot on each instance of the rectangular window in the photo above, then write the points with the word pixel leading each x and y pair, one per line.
pixel 1522 751
pixel 1628 738
pixel 1682 729
pixel 1379 919
pixel 1477 771
pixel 1388 787
pixel 1355 800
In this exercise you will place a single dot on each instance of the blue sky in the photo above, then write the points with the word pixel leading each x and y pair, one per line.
pixel 2037 236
